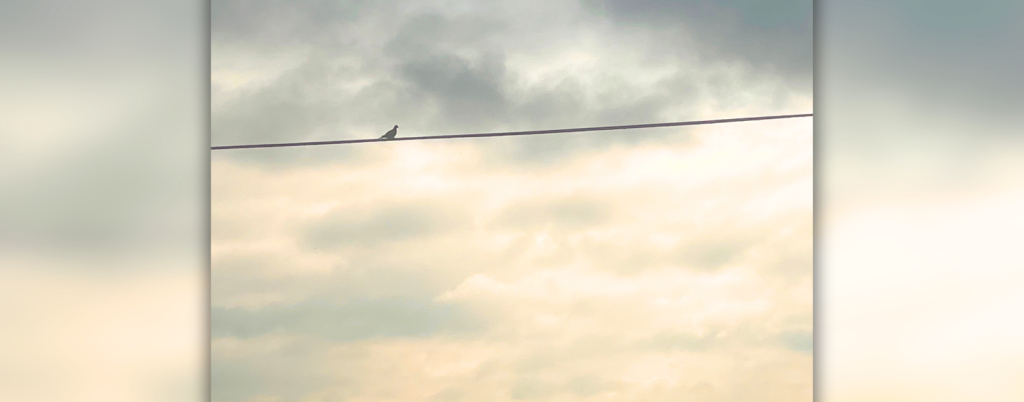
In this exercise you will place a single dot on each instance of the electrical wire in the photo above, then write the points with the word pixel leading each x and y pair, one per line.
pixel 515 133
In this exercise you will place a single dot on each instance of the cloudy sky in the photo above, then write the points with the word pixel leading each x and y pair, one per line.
pixel 659 265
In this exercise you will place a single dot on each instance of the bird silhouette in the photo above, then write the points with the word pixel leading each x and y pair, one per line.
pixel 390 135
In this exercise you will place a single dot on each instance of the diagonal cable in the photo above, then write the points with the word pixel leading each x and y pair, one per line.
pixel 515 133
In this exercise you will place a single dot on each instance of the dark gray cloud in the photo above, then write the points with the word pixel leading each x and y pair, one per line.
pixel 275 24
pixel 460 90
pixel 776 37
pixel 953 56
pixel 347 321
pixel 102 195
pixel 100 103
pixel 457 67
pixel 297 106
pixel 431 94
pixel 434 71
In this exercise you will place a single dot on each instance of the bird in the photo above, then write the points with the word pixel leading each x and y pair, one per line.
pixel 390 135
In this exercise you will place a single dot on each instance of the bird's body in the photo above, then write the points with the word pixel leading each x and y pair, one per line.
pixel 390 135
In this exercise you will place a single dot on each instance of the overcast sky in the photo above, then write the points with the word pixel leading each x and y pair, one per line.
pixel 659 265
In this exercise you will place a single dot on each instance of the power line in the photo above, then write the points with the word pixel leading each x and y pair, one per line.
pixel 513 133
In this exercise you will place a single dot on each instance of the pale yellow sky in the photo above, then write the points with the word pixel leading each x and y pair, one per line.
pixel 632 273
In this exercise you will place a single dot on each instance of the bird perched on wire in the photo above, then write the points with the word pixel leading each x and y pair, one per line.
pixel 390 135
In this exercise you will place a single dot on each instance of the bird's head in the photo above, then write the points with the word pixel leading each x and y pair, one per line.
pixel 396 126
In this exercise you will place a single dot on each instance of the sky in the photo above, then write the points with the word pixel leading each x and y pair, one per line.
pixel 920 163
pixel 659 265
pixel 104 140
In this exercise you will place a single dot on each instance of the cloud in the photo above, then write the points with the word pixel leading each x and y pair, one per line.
pixel 284 367
pixel 568 213
pixel 352 70
pixel 531 388
pixel 800 341
pixel 776 37
pixel 347 321
pixel 951 40
pixel 345 226
pixel 648 265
